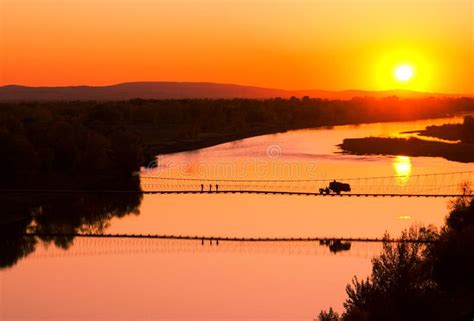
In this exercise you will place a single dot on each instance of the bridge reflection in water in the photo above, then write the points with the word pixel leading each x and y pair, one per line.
pixel 94 246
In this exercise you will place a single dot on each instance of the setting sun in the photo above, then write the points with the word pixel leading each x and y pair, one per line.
pixel 404 73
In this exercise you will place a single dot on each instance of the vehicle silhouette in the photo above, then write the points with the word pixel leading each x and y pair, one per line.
pixel 335 187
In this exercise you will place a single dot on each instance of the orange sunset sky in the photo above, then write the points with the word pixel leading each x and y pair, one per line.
pixel 289 44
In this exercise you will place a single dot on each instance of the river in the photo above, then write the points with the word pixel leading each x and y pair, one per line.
pixel 117 279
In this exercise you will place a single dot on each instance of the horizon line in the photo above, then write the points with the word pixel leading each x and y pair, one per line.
pixel 240 85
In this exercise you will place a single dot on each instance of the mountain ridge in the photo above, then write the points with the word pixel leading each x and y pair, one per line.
pixel 187 90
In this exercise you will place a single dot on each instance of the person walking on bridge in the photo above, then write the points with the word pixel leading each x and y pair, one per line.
pixel 202 188
pixel 217 188
pixel 210 188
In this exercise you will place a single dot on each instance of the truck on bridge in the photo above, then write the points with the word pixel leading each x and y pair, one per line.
pixel 335 187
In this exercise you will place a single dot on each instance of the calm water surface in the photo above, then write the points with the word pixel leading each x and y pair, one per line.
pixel 185 280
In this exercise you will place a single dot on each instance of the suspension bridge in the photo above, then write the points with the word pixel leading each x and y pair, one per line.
pixel 452 184
pixel 446 185
pixel 127 244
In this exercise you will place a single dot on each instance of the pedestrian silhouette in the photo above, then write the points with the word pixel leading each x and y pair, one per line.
pixel 217 188
pixel 210 188
pixel 202 188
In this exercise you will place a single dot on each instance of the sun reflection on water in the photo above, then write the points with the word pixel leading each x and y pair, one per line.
pixel 402 166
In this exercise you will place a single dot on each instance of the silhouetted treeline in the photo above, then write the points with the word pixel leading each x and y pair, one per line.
pixel 419 281
pixel 62 146
pixel 97 144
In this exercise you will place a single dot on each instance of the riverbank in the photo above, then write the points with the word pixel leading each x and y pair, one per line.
pixel 461 151
pixel 414 147
pixel 170 146
pixel 455 132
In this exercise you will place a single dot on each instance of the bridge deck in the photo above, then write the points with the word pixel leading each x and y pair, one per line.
pixel 259 192
pixel 269 192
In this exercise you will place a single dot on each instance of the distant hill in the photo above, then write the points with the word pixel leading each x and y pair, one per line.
pixel 180 90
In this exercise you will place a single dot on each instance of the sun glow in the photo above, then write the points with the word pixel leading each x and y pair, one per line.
pixel 404 73
pixel 406 69
pixel 402 167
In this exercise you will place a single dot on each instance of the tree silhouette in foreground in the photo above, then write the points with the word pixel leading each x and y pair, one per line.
pixel 419 281
pixel 328 316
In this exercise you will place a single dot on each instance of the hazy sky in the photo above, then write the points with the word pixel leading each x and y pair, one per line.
pixel 293 44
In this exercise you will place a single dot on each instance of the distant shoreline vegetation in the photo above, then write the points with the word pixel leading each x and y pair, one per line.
pixel 463 151
pixel 80 144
